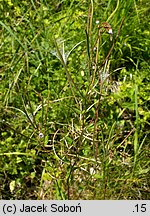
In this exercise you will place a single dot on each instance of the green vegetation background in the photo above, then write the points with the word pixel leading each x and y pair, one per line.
pixel 74 105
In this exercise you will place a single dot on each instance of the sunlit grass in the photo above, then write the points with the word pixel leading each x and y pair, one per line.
pixel 74 101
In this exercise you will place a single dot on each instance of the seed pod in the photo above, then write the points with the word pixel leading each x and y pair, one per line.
pixel 108 28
